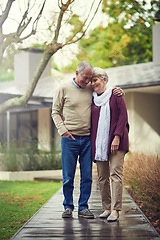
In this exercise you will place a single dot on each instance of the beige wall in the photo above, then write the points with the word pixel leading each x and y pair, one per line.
pixel 44 129
pixel 25 65
pixel 57 140
pixel 144 119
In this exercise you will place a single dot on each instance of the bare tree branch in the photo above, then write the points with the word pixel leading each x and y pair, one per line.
pixel 22 24
pixel 4 15
pixel 7 39
pixel 35 23
pixel 63 8
pixel 71 41
pixel 49 51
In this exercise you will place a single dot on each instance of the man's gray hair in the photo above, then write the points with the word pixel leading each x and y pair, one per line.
pixel 83 65
pixel 99 72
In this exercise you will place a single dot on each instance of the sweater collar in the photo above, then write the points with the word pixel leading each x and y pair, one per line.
pixel 73 81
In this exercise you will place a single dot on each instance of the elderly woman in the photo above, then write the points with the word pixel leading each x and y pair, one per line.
pixel 109 138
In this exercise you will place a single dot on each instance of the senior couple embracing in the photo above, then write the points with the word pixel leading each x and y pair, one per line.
pixel 92 120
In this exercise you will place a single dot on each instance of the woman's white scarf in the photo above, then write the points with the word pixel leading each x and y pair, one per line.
pixel 103 124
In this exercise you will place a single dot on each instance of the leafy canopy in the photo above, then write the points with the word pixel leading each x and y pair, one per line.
pixel 124 38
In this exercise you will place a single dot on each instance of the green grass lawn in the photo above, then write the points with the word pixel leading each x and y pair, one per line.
pixel 19 201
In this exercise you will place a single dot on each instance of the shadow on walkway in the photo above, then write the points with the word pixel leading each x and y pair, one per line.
pixel 47 223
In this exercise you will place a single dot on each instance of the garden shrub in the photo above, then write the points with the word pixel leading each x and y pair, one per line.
pixel 142 175
pixel 28 158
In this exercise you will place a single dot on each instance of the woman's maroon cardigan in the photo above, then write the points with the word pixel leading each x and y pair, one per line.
pixel 118 124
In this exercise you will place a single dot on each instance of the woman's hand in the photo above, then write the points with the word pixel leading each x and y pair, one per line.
pixel 115 144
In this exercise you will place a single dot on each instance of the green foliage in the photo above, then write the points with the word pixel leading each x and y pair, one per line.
pixel 54 65
pixel 28 158
pixel 131 12
pixel 76 25
pixel 125 39
pixel 6 76
pixel 7 65
pixel 139 48
pixel 19 201
pixel 104 47
pixel 37 46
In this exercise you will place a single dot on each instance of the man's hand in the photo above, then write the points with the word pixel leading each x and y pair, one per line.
pixel 68 134
pixel 118 91
pixel 115 144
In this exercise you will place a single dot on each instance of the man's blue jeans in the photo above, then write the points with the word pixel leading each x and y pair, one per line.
pixel 71 149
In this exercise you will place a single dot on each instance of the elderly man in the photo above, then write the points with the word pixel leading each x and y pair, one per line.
pixel 71 112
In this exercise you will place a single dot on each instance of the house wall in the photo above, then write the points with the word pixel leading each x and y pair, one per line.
pixel 144 119
pixel 44 129
pixel 25 65
pixel 156 45
pixel 57 139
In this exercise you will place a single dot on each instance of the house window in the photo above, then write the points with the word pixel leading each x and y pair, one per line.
pixel 22 127
pixel 27 126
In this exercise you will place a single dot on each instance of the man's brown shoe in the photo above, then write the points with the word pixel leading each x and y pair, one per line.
pixel 67 213
pixel 86 213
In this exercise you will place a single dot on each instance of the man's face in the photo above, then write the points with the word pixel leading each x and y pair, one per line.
pixel 83 79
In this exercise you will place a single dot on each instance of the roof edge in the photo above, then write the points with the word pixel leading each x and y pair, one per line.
pixel 137 85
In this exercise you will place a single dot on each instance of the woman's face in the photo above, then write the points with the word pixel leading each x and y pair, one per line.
pixel 98 84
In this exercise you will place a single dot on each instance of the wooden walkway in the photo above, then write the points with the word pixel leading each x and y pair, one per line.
pixel 47 223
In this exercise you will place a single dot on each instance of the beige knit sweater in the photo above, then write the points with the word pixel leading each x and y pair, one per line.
pixel 75 105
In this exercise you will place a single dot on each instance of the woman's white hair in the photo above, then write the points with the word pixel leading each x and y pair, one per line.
pixel 99 72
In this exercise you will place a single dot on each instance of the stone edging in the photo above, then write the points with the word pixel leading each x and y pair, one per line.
pixel 30 175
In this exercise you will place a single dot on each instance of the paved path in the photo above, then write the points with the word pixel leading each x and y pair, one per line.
pixel 47 223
